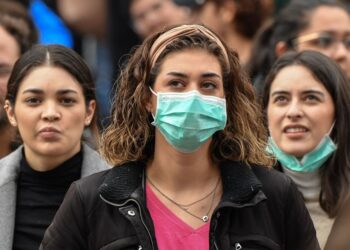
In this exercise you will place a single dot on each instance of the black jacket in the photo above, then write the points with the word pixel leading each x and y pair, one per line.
pixel 260 209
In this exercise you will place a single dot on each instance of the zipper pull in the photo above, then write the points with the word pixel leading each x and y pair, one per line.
pixel 238 246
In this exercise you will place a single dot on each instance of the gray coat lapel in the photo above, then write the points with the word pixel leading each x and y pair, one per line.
pixel 9 168
pixel 92 162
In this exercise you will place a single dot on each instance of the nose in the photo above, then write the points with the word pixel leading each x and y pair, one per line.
pixel 50 112
pixel 295 110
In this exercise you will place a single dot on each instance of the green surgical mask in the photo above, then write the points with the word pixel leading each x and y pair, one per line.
pixel 188 119
pixel 310 162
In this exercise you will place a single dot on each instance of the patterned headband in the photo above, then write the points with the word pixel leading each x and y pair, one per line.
pixel 166 38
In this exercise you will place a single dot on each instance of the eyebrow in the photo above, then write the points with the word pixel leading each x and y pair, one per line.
pixel 59 92
pixel 283 92
pixel 312 91
pixel 280 92
pixel 179 74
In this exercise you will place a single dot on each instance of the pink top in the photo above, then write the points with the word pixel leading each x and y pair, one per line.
pixel 171 231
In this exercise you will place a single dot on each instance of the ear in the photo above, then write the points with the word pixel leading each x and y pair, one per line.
pixel 281 48
pixel 90 112
pixel 10 113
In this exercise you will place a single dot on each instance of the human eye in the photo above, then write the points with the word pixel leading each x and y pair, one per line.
pixel 67 101
pixel 324 41
pixel 209 85
pixel 346 42
pixel 280 99
pixel 176 84
pixel 5 71
pixel 32 101
pixel 312 98
pixel 157 6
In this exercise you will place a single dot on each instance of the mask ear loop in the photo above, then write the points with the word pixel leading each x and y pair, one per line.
pixel 331 129
pixel 154 117
pixel 153 92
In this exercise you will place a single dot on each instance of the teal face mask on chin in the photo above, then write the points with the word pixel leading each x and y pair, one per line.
pixel 310 162
pixel 189 119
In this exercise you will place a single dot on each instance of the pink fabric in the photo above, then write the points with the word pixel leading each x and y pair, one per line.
pixel 171 231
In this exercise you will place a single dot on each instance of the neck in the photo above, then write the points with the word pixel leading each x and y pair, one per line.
pixel 182 171
pixel 47 162
pixel 7 135
pixel 240 44
pixel 308 183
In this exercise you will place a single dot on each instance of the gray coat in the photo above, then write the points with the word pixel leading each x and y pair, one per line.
pixel 9 169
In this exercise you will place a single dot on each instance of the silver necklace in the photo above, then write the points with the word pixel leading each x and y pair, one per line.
pixel 185 207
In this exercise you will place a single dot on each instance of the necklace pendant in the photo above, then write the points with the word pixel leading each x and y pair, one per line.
pixel 205 218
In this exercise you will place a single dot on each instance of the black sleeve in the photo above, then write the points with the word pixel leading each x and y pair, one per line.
pixel 300 231
pixel 68 229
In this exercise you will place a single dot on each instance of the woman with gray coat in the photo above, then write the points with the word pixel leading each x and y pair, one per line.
pixel 50 100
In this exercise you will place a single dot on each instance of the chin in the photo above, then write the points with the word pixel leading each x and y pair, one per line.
pixel 54 149
pixel 297 152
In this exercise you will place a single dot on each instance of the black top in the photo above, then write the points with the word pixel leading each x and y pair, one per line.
pixel 39 195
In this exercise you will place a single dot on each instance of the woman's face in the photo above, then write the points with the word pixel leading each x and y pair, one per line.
pixel 185 71
pixel 50 113
pixel 329 33
pixel 150 16
pixel 300 110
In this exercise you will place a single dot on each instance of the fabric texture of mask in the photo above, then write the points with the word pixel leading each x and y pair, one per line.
pixel 310 162
pixel 189 119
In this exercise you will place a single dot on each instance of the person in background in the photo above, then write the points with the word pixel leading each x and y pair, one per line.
pixel 89 19
pixel 50 100
pixel 307 102
pixel 236 21
pixel 17 35
pixel 171 118
pixel 150 16
pixel 320 25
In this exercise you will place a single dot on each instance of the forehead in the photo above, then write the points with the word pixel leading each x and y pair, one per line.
pixel 295 78
pixel 137 6
pixel 191 61
pixel 50 78
pixel 328 18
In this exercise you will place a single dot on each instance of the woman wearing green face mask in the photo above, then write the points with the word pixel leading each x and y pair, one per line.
pixel 307 99
pixel 190 172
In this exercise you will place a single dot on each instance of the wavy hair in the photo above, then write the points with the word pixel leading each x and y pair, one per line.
pixel 130 136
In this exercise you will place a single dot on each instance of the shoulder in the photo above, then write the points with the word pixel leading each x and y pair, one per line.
pixel 92 161
pixel 271 176
pixel 10 158
pixel 276 185
pixel 9 166
pixel 88 186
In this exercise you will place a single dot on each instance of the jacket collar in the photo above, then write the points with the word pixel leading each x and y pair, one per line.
pixel 125 181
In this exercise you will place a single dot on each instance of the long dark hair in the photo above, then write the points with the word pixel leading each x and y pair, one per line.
pixel 335 173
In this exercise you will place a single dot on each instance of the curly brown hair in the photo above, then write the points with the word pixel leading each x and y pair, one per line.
pixel 130 136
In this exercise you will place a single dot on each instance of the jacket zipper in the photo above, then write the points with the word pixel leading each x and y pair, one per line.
pixel 138 205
